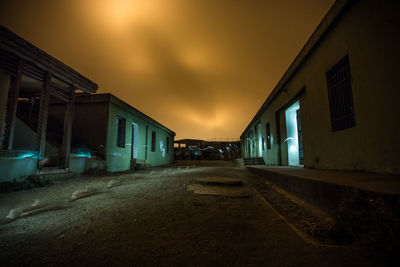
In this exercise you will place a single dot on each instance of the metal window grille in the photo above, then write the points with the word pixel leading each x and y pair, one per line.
pixel 340 96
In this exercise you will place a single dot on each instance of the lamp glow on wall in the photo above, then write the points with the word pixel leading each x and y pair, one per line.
pixel 162 148
pixel 250 145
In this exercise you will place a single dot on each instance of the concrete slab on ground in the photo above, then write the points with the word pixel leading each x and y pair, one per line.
pixel 225 191
pixel 220 181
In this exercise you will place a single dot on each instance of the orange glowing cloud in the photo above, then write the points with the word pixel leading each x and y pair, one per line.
pixel 202 68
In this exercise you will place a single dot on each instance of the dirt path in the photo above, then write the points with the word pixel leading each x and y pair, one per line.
pixel 149 218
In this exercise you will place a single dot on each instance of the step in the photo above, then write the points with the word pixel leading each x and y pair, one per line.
pixel 54 173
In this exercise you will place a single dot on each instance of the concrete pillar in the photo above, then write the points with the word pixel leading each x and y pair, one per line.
pixel 66 141
pixel 4 86
pixel 11 109
pixel 42 123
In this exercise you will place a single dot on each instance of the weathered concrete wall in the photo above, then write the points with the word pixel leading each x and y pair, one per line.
pixel 80 164
pixel 89 127
pixel 368 34
pixel 118 158
pixel 25 138
pixel 77 164
pixel 16 167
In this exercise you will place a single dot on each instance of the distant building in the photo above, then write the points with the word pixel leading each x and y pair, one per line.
pixel 336 107
pixel 194 149
pixel 118 137
pixel 31 81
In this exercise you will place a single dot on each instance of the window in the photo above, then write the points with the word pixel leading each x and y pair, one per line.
pixel 153 141
pixel 340 96
pixel 167 145
pixel 121 131
pixel 268 132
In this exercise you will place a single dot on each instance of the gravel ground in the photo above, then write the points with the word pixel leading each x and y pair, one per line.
pixel 149 218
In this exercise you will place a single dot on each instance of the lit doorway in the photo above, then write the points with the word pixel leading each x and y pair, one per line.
pixel 259 141
pixel 294 135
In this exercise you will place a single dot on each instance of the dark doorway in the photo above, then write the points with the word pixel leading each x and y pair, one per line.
pixel 134 145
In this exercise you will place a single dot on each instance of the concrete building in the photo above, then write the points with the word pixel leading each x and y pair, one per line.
pixel 214 149
pixel 52 123
pixel 336 107
pixel 117 137
pixel 31 81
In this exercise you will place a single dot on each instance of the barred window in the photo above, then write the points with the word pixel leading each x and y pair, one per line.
pixel 340 96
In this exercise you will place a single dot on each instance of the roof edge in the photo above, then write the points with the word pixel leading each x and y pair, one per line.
pixel 120 102
pixel 337 9
pixel 13 43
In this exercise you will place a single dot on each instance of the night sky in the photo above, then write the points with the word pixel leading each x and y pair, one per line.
pixel 200 67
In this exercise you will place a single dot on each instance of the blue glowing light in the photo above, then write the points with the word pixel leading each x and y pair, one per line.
pixel 289 139
pixel 209 147
pixel 162 149
pixel 83 155
pixel 20 155
pixel 27 155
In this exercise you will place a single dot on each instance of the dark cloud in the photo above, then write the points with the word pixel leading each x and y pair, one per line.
pixel 202 68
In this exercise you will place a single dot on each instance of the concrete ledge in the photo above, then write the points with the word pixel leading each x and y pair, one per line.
pixel 323 194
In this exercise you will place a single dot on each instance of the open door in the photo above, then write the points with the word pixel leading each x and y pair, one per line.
pixel 293 135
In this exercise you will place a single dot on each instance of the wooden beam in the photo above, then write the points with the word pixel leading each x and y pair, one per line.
pixel 68 120
pixel 42 122
pixel 11 110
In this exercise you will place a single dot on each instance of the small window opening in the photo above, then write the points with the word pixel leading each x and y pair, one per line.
pixel 153 141
pixel 121 131
pixel 340 96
